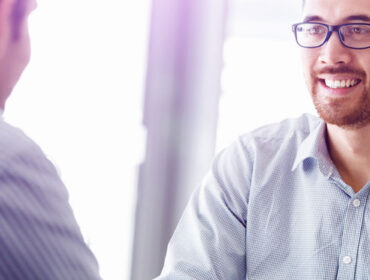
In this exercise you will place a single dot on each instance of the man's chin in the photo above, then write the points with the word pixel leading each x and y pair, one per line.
pixel 349 114
pixel 351 121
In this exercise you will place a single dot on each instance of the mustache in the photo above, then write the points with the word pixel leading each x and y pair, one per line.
pixel 341 70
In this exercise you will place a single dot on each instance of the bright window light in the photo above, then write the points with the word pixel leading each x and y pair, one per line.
pixel 80 99
pixel 262 81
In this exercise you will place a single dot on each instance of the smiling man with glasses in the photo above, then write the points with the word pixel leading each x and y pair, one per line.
pixel 291 200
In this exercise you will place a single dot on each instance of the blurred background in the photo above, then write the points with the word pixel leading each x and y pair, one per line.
pixel 132 99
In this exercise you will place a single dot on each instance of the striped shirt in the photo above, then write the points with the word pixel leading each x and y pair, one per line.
pixel 39 236
pixel 273 207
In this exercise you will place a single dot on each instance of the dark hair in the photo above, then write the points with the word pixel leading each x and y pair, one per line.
pixel 19 11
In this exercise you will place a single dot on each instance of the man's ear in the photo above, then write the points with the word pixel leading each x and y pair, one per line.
pixel 6 8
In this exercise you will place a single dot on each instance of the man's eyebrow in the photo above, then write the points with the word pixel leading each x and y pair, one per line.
pixel 352 17
pixel 358 17
pixel 312 18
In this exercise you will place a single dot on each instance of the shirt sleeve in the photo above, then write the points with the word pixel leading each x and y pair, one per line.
pixel 210 239
pixel 39 236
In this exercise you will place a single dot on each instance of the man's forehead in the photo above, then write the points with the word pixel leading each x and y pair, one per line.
pixel 337 11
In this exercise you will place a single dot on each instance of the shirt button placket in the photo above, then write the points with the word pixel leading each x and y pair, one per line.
pixel 356 203
pixel 347 260
pixel 351 239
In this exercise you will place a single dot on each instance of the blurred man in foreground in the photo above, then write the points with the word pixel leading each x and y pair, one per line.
pixel 39 236
pixel 291 200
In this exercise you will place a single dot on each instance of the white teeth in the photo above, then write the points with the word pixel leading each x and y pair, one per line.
pixel 340 84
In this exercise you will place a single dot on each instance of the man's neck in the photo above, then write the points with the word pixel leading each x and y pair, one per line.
pixel 350 152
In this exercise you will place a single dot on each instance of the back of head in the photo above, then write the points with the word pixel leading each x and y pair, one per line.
pixel 19 12
pixel 14 43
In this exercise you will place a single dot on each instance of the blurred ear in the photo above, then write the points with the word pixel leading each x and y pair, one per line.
pixel 6 8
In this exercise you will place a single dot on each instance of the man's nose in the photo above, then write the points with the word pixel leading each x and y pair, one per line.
pixel 333 52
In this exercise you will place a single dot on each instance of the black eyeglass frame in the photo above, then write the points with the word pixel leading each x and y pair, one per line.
pixel 331 29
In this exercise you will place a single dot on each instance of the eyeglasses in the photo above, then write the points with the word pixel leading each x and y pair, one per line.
pixel 314 35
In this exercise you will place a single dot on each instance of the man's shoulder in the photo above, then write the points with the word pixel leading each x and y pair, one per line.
pixel 298 128
pixel 13 141
pixel 275 144
pixel 278 144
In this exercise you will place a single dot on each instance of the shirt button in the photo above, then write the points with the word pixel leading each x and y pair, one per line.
pixel 347 260
pixel 356 203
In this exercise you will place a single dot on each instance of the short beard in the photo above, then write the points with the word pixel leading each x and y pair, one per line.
pixel 336 112
pixel 357 118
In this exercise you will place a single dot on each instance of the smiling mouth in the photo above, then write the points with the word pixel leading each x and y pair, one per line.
pixel 341 83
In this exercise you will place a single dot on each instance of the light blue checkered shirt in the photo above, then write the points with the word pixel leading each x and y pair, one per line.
pixel 273 207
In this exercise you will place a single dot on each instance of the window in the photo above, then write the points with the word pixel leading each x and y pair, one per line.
pixel 262 81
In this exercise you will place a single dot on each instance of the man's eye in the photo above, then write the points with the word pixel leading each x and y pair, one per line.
pixel 316 30
pixel 357 30
pixel 311 29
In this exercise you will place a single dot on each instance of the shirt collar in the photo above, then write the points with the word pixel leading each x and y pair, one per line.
pixel 314 146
